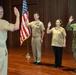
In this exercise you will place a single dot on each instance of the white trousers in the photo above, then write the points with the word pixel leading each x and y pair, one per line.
pixel 3 61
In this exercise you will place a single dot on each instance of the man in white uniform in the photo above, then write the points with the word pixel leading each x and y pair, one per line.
pixel 4 27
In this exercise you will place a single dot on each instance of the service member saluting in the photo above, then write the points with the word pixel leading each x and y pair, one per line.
pixel 37 37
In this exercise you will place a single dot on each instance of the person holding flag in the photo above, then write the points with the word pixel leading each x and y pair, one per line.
pixel 4 27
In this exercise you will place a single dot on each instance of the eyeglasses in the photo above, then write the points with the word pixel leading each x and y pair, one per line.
pixel 1 11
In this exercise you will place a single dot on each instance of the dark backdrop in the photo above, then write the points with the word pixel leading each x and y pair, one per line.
pixel 49 10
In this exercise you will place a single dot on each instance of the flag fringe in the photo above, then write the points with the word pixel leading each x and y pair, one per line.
pixel 24 40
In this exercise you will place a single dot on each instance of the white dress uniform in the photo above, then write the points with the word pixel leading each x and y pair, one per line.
pixel 4 27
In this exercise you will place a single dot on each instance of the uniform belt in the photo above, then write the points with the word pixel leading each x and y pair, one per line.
pixel 36 36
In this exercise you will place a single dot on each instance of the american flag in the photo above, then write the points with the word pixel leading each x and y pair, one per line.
pixel 25 30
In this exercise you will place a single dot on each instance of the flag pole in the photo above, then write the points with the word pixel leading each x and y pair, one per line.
pixel 24 32
pixel 28 52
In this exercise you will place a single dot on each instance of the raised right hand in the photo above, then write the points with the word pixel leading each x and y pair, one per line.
pixel 71 19
pixel 49 24
pixel 16 11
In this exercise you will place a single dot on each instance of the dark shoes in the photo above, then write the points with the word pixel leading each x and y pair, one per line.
pixel 75 70
pixel 37 63
pixel 57 66
pixel 34 62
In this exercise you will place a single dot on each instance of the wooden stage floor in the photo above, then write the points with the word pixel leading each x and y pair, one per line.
pixel 19 65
